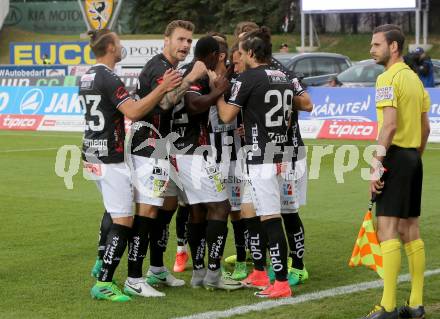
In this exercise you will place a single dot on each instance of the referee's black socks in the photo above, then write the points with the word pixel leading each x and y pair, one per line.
pixel 277 247
pixel 114 249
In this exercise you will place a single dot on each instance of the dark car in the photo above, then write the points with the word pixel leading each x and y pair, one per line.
pixel 317 68
pixel 365 73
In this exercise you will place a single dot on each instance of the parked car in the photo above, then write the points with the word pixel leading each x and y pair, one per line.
pixel 365 73
pixel 317 68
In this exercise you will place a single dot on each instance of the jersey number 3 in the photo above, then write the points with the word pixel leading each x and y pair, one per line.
pixel 90 103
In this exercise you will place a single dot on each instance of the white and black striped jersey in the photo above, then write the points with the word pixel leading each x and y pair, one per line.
pixel 101 92
pixel 224 136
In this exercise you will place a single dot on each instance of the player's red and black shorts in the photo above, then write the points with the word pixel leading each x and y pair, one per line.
pixel 402 193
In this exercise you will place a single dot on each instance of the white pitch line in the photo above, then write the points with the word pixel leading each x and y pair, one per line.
pixel 29 150
pixel 343 290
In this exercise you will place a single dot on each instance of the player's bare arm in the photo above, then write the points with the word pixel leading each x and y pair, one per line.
pixel 226 112
pixel 175 95
pixel 303 102
pixel 135 110
pixel 201 103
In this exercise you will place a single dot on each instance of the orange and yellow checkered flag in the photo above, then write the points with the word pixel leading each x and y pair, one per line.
pixel 367 250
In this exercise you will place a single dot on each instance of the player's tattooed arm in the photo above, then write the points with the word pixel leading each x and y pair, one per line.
pixel 174 96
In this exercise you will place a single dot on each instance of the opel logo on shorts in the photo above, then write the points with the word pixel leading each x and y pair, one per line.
pixel 31 101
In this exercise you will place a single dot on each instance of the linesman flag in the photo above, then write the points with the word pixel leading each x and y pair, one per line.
pixel 367 250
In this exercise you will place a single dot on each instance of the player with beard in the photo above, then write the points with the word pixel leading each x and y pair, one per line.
pixel 154 208
pixel 105 100
pixel 265 97
pixel 199 173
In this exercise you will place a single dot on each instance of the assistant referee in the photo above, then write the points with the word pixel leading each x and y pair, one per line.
pixel 402 111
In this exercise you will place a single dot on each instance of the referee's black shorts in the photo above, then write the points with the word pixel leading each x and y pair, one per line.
pixel 402 193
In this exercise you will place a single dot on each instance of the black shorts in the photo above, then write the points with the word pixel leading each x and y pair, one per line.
pixel 402 193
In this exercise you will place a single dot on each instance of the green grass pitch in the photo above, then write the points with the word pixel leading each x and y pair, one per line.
pixel 48 242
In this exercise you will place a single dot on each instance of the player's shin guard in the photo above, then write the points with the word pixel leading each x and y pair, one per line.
pixel 114 249
pixel 240 240
pixel 257 242
pixel 197 244
pixel 106 223
pixel 182 225
pixel 277 247
pixel 159 237
pixel 138 245
pixel 295 237
pixel 216 233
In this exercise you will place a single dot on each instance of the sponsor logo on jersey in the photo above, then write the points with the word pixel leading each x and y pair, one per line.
pixel 384 93
pixel 31 101
pixel 349 130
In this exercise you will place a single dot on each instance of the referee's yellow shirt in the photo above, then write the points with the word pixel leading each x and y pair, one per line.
pixel 401 88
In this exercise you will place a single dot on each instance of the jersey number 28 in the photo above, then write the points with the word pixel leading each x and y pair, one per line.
pixel 283 101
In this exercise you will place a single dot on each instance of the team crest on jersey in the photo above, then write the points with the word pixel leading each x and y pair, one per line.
pixel 234 91
pixel 384 93
pixel 99 12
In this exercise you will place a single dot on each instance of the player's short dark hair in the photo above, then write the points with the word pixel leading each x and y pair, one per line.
pixel 392 33
pixel 245 26
pixel 259 41
pixel 205 46
pixel 99 41
pixel 173 25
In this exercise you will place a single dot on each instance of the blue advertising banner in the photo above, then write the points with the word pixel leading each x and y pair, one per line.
pixel 28 71
pixel 33 100
pixel 348 104
pixel 66 53
pixel 354 104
